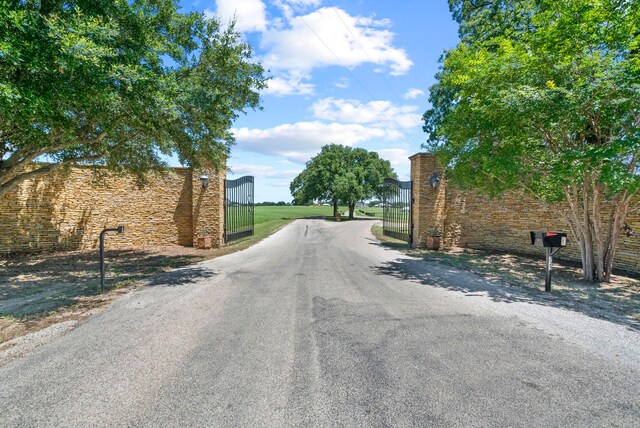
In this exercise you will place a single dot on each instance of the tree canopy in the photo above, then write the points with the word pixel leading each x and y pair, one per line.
pixel 341 174
pixel 544 96
pixel 117 83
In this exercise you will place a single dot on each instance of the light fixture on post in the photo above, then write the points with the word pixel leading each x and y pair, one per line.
pixel 204 179
pixel 434 180
pixel 119 229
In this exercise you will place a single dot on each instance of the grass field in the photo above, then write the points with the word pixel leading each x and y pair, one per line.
pixel 266 214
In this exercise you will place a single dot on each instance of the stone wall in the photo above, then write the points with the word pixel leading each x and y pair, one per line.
pixel 208 209
pixel 428 203
pixel 474 221
pixel 68 208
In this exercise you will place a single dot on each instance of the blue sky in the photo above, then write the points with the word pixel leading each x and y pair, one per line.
pixel 351 72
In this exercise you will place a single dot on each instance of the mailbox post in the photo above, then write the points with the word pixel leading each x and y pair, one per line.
pixel 119 229
pixel 552 242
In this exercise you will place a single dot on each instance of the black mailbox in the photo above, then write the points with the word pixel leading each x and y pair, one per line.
pixel 552 241
pixel 549 239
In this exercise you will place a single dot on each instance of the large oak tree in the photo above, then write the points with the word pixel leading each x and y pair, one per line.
pixel 121 83
pixel 544 96
pixel 341 174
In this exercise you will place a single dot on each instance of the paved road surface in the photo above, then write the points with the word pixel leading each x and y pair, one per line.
pixel 320 326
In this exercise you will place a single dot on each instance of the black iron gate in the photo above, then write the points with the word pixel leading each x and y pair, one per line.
pixel 396 215
pixel 238 208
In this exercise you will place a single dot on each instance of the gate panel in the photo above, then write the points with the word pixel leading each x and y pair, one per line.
pixel 238 208
pixel 396 213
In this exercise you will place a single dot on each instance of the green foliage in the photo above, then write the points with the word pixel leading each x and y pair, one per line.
pixel 341 173
pixel 272 204
pixel 117 83
pixel 434 232
pixel 481 20
pixel 541 108
pixel 542 95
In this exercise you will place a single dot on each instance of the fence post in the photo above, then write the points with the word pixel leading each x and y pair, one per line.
pixel 208 207
pixel 429 197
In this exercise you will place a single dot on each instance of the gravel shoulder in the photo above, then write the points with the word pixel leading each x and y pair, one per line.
pixel 515 278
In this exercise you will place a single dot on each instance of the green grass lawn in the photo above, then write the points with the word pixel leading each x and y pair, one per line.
pixel 376 212
pixel 268 214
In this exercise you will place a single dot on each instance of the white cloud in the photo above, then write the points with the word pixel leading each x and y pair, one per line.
pixel 290 7
pixel 297 43
pixel 397 157
pixel 343 83
pixel 300 141
pixel 325 38
pixel 289 85
pixel 250 15
pixel 285 162
pixel 375 113
pixel 263 171
pixel 413 93
pixel 302 3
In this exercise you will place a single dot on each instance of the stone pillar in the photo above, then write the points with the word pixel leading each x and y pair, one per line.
pixel 208 208
pixel 428 208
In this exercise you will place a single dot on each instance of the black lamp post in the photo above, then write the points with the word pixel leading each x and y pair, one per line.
pixel 119 229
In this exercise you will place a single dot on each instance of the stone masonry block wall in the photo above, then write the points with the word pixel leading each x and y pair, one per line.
pixel 428 203
pixel 66 210
pixel 208 209
pixel 479 222
pixel 475 221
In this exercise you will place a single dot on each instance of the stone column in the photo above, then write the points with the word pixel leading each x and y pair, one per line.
pixel 428 208
pixel 208 208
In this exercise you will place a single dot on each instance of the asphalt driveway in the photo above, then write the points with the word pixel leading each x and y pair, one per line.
pixel 319 325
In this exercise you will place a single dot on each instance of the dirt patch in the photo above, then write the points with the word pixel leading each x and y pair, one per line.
pixel 39 290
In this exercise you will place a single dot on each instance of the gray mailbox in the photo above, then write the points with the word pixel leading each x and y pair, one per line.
pixel 552 242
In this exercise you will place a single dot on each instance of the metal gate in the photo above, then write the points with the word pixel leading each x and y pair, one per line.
pixel 238 208
pixel 396 214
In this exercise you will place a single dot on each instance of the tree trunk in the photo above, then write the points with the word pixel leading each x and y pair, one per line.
pixel 598 231
pixel 619 211
pixel 581 229
pixel 586 250
pixel 616 221
pixel 596 237
pixel 352 208
pixel 335 208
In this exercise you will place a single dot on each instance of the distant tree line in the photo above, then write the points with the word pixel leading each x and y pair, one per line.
pixel 272 204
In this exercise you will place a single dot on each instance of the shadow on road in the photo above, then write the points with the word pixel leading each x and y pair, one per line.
pixel 183 276
pixel 392 245
pixel 471 284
